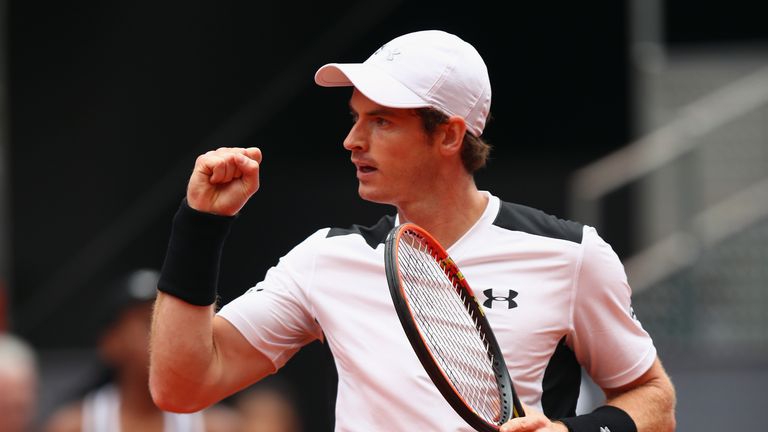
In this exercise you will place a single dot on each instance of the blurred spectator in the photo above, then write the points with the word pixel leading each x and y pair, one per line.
pixel 18 384
pixel 124 403
pixel 268 406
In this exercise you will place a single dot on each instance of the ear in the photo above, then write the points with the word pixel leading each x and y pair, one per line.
pixel 452 135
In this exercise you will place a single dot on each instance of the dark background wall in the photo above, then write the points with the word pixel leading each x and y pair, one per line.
pixel 111 101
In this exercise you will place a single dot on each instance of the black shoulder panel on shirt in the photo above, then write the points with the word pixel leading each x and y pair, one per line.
pixel 516 217
pixel 561 384
pixel 373 235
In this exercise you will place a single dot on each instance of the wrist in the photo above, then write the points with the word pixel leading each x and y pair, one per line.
pixel 607 417
pixel 191 268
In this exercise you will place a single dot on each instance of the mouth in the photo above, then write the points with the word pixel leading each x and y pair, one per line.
pixel 364 167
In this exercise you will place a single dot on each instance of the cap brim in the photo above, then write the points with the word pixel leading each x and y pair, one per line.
pixel 371 81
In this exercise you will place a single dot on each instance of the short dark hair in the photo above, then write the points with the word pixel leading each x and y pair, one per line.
pixel 474 150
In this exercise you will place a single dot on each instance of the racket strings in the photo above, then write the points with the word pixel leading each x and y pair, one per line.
pixel 460 354
pixel 452 335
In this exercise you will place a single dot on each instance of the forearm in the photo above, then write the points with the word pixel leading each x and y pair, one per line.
pixel 651 405
pixel 189 369
pixel 645 405
pixel 182 354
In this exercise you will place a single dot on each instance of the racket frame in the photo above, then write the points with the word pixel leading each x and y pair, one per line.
pixel 510 404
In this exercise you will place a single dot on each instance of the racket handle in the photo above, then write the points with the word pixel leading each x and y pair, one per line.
pixel 517 408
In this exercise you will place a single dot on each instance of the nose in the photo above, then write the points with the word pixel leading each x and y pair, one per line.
pixel 356 139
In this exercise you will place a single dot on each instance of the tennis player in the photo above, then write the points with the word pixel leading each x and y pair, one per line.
pixel 554 292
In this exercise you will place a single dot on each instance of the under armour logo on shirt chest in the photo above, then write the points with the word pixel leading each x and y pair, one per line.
pixel 500 301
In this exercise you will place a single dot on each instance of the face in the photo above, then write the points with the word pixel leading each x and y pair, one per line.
pixel 126 342
pixel 395 160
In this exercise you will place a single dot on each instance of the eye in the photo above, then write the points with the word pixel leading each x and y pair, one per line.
pixel 353 116
pixel 380 121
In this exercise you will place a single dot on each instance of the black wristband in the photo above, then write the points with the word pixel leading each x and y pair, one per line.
pixel 606 418
pixel 191 267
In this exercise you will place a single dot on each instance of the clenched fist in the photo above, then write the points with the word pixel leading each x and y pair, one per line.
pixel 224 179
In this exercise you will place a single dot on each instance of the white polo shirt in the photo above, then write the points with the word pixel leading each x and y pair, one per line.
pixel 554 292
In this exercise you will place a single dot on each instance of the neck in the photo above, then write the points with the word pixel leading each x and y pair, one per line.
pixel 446 213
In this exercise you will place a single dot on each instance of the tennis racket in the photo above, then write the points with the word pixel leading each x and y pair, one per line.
pixel 448 329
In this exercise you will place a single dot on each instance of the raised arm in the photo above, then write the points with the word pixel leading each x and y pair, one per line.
pixel 196 358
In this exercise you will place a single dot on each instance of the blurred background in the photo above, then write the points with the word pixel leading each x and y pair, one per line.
pixel 645 118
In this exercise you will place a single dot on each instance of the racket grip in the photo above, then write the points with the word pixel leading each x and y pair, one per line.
pixel 517 407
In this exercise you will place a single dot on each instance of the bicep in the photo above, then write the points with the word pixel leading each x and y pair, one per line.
pixel 655 375
pixel 257 332
pixel 649 399
pixel 608 339
pixel 240 364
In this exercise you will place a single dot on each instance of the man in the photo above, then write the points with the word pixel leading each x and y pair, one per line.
pixel 18 384
pixel 124 403
pixel 419 106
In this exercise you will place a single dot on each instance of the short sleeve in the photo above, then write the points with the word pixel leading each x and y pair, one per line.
pixel 607 338
pixel 275 315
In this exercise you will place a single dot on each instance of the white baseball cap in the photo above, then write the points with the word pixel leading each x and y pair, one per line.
pixel 428 68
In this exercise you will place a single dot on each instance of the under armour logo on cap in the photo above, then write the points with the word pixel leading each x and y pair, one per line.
pixel 391 53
